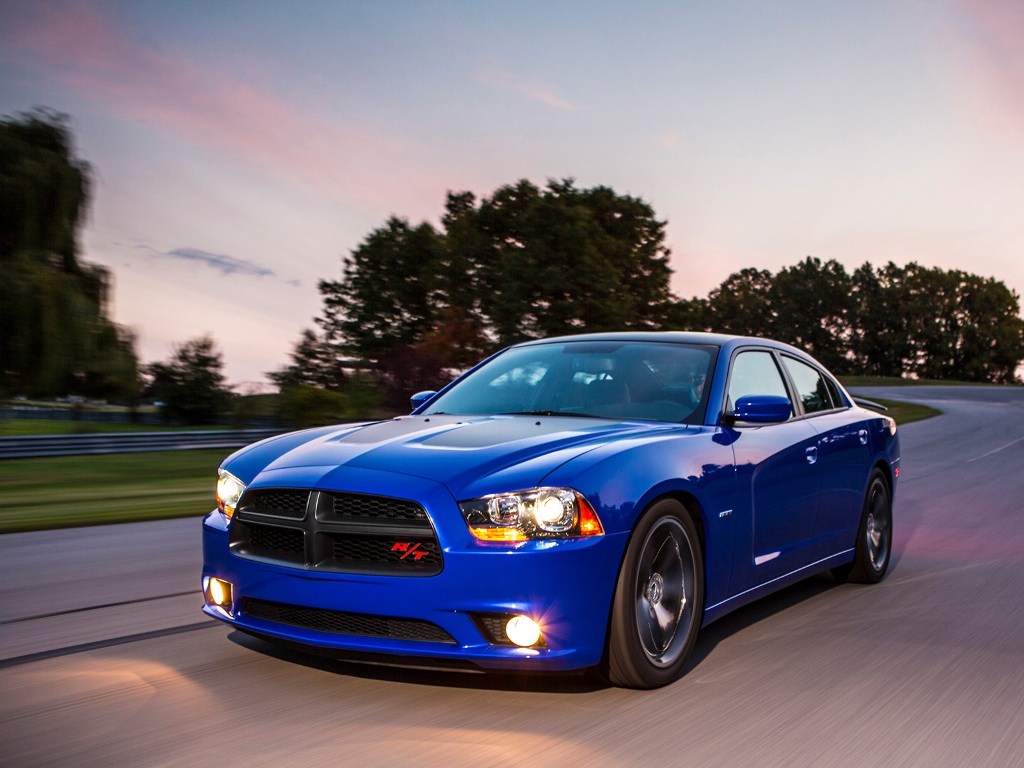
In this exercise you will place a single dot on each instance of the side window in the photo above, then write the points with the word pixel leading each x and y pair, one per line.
pixel 754 373
pixel 838 401
pixel 810 386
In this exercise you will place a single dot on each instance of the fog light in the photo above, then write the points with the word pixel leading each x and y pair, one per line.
pixel 218 592
pixel 523 631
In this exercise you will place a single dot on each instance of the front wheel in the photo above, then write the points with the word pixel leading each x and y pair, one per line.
pixel 874 538
pixel 659 600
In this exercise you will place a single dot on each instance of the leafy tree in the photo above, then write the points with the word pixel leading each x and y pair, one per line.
pixel 191 383
pixel 936 324
pixel 892 321
pixel 58 338
pixel 811 306
pixel 742 304
pixel 884 310
pixel 383 298
pixel 408 370
pixel 522 263
pixel 415 304
pixel 315 363
pixel 686 315
pixel 548 261
pixel 970 329
pixel 302 406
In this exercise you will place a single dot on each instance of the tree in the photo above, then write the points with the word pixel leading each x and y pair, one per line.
pixel 742 304
pixel 811 306
pixel 58 338
pixel 414 304
pixel 383 298
pixel 522 263
pixel 935 324
pixel 886 307
pixel 315 363
pixel 563 260
pixel 966 327
pixel 191 383
pixel 892 321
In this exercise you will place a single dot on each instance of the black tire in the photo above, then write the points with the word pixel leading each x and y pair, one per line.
pixel 659 600
pixel 873 550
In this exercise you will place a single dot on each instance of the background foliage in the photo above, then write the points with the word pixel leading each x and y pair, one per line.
pixel 415 304
pixel 190 385
pixel 57 336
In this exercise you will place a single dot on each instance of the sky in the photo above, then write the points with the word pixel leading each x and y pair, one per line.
pixel 241 150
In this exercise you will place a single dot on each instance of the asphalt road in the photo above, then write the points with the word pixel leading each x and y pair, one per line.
pixel 106 660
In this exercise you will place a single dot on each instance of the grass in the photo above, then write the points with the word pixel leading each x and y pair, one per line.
pixel 896 381
pixel 68 491
pixel 905 413
pixel 24 427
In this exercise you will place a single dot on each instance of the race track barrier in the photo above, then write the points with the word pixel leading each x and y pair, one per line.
pixel 128 442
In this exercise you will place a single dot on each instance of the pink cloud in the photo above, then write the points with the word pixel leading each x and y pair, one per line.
pixel 545 97
pixel 501 80
pixel 105 60
pixel 994 34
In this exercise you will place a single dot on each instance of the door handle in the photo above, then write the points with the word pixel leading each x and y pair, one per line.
pixel 812 454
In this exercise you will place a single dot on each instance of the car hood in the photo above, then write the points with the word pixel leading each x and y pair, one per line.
pixel 472 456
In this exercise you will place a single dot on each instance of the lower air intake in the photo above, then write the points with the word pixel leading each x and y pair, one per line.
pixel 343 623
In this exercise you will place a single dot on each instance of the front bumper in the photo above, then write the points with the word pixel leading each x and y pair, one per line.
pixel 565 585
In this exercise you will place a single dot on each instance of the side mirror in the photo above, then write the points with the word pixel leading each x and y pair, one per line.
pixel 421 398
pixel 761 409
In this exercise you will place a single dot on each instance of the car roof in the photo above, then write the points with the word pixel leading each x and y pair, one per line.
pixel 681 337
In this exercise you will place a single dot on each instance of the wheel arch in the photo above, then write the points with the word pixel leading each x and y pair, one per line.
pixel 695 510
pixel 697 514
pixel 885 468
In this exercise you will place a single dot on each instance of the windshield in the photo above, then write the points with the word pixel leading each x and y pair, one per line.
pixel 656 381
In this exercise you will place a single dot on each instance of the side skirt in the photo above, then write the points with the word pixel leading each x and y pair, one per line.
pixel 718 610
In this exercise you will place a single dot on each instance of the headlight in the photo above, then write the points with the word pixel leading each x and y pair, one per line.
pixel 539 513
pixel 229 490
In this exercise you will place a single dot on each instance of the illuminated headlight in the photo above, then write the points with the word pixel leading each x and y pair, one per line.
pixel 539 513
pixel 229 490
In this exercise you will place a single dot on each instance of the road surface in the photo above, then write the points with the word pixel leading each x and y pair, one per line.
pixel 105 658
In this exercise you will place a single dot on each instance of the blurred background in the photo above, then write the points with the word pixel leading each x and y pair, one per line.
pixel 265 216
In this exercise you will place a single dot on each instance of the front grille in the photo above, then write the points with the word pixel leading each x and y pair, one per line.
pixel 420 552
pixel 336 532
pixel 375 507
pixel 286 541
pixel 274 502
pixel 343 623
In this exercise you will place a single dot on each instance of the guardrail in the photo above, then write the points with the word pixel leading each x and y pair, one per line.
pixel 128 442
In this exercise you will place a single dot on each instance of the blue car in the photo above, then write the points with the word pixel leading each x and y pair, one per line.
pixel 580 502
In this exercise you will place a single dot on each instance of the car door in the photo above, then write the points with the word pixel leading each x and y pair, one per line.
pixel 844 455
pixel 776 477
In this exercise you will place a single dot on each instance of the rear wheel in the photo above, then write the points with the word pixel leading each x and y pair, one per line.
pixel 659 600
pixel 874 538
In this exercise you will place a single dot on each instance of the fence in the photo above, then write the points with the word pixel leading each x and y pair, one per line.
pixel 128 442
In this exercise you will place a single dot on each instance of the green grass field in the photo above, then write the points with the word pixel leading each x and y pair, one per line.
pixel 895 381
pixel 67 491
pixel 904 413
pixel 23 427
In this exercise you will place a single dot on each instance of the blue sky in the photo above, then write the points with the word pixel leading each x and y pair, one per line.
pixel 242 149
